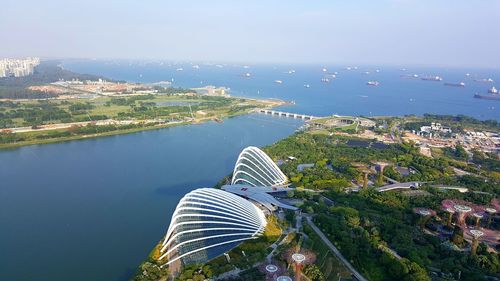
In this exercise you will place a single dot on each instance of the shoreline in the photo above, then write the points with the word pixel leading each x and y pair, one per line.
pixel 272 104
pixel 82 137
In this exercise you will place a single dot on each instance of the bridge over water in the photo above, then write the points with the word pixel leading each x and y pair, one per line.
pixel 287 114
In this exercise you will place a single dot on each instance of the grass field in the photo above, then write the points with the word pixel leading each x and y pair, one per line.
pixel 136 109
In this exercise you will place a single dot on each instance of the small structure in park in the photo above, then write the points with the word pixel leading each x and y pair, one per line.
pixel 476 234
pixel 491 213
pixel 364 170
pixel 299 260
pixel 462 211
pixel 426 215
pixel 478 216
pixel 450 212
pixel 380 166
pixel 271 271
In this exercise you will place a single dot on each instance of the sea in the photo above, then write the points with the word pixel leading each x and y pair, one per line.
pixel 93 209
pixel 399 93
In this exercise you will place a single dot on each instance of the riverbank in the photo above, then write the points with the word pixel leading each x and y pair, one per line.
pixel 185 110
pixel 80 137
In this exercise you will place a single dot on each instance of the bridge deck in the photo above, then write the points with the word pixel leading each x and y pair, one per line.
pixel 287 114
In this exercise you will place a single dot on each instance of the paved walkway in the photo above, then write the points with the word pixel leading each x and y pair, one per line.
pixel 390 251
pixel 325 239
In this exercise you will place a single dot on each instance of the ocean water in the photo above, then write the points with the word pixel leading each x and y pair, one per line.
pixel 348 94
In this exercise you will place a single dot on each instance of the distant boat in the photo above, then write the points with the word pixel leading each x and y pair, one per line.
pixel 179 69
pixel 291 71
pixel 196 66
pixel 324 69
pixel 334 76
pixel 377 70
pixel 461 84
pixel 247 75
pixel 493 90
pixel 278 81
pixel 372 83
pixel 246 66
pixel 485 80
pixel 432 78
pixel 487 97
pixel 367 72
pixel 306 86
pixel 325 80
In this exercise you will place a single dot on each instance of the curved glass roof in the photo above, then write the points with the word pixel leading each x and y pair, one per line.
pixel 208 222
pixel 255 168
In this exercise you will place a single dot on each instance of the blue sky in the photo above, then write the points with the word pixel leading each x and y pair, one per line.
pixel 424 32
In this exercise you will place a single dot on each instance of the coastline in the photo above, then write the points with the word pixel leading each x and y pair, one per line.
pixel 271 104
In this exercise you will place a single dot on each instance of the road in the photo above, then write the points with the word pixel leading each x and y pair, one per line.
pixel 325 239
pixel 60 126
pixel 394 135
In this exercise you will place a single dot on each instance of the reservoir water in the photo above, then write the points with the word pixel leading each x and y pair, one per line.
pixel 93 209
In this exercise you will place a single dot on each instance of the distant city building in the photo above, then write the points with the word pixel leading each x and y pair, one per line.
pixel 213 91
pixel 435 127
pixel 18 67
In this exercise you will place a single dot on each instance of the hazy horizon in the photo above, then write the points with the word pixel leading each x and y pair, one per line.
pixel 447 33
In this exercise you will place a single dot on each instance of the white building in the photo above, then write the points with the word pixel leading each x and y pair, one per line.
pixel 18 67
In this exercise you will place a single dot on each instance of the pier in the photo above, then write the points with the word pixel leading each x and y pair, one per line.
pixel 287 114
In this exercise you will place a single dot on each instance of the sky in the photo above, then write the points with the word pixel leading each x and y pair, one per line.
pixel 455 33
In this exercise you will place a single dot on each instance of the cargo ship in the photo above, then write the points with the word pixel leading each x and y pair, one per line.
pixel 493 90
pixel 372 83
pixel 461 84
pixel 487 97
pixel 409 76
pixel 432 78
pixel 485 80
